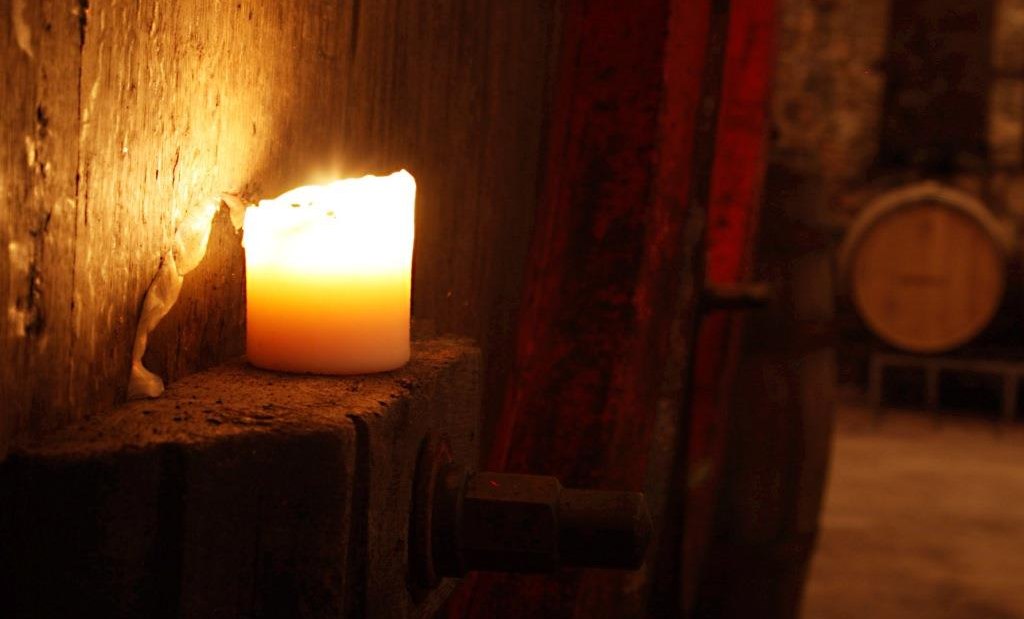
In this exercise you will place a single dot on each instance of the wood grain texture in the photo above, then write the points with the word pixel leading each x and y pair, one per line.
pixel 616 232
pixel 241 493
pixel 39 153
pixel 733 209
pixel 447 405
pixel 927 278
pixel 127 113
pixel 780 419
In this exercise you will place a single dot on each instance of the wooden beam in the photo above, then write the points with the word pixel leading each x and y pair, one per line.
pixel 126 114
pixel 40 54
pixel 240 493
pixel 733 211
pixel 613 250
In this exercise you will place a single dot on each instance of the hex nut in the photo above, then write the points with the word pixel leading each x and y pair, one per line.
pixel 510 522
pixel 466 521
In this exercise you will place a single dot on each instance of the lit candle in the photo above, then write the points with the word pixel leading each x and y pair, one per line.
pixel 328 276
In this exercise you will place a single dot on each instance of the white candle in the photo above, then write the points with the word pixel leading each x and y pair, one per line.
pixel 328 276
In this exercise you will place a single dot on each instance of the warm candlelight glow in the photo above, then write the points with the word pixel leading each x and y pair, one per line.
pixel 328 276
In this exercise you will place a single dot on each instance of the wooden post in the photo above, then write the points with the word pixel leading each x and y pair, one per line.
pixel 120 116
pixel 240 493
pixel 779 436
pixel 733 212
pixel 615 250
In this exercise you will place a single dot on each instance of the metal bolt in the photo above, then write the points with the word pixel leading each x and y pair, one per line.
pixel 466 521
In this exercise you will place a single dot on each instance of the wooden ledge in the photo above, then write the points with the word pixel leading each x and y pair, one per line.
pixel 237 399
pixel 240 492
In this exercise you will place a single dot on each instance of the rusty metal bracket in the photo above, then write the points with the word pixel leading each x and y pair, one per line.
pixel 464 521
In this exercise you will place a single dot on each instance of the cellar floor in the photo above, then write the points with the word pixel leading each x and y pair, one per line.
pixel 924 519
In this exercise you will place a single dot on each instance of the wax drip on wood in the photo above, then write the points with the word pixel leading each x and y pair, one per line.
pixel 189 247
pixel 22 31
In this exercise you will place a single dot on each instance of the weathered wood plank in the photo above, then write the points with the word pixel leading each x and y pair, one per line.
pixel 265 524
pixel 733 209
pixel 84 535
pixel 779 438
pixel 40 52
pixel 179 102
pixel 239 493
pixel 616 227
pixel 171 103
pixel 446 405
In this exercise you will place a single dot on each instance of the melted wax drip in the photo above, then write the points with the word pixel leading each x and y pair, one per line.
pixel 190 241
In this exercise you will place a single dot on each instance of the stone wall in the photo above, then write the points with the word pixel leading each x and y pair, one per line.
pixel 870 94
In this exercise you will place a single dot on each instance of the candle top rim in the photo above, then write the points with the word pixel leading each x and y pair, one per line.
pixel 309 195
pixel 365 222
pixel 389 197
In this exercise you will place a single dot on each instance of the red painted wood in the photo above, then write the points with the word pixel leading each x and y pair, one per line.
pixel 608 234
pixel 733 210
pixel 608 247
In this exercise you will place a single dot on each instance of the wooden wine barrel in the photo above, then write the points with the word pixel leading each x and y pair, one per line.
pixel 925 267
